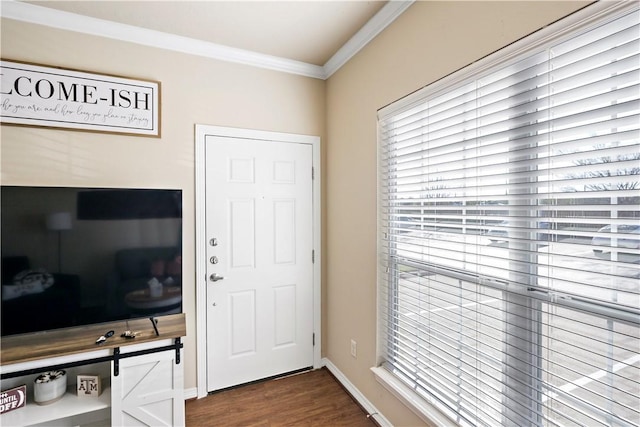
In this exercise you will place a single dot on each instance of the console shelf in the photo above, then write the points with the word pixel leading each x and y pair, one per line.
pixel 80 410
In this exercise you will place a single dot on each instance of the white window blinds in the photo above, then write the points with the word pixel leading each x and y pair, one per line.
pixel 509 207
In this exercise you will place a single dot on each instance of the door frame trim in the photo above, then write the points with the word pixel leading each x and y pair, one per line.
pixel 201 133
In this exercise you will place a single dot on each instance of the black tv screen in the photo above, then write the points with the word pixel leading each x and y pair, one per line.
pixel 78 256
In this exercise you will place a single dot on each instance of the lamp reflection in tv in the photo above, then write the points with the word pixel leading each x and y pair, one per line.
pixel 59 222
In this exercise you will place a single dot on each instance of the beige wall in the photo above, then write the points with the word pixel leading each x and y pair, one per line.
pixel 429 41
pixel 194 90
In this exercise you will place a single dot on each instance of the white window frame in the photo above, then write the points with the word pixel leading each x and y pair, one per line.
pixel 428 411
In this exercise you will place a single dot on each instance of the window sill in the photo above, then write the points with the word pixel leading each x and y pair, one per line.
pixel 422 408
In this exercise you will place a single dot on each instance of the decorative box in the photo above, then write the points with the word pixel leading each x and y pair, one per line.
pixel 89 385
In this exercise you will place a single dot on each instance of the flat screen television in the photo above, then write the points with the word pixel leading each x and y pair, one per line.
pixel 75 256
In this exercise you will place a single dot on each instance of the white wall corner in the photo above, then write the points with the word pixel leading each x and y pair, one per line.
pixel 368 32
pixel 353 390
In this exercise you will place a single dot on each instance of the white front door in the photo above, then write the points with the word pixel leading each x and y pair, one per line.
pixel 259 232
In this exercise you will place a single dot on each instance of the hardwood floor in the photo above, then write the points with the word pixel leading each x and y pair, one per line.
pixel 312 398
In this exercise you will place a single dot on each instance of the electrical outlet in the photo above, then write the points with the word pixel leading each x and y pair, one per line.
pixel 354 348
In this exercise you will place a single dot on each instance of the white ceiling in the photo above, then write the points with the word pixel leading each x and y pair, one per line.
pixel 306 31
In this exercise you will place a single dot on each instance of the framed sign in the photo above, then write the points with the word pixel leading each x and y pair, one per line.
pixel 37 95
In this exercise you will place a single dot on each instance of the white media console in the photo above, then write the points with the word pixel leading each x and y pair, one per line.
pixel 142 378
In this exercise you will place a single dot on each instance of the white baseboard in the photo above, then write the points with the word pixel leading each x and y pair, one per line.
pixel 362 400
pixel 190 393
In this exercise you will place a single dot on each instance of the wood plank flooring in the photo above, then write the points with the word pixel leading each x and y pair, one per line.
pixel 312 398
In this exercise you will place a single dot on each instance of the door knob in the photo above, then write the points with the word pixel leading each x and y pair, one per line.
pixel 215 277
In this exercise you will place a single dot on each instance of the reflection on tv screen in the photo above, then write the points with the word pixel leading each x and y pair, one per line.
pixel 77 256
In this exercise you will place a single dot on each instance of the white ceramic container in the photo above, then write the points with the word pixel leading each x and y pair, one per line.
pixel 49 387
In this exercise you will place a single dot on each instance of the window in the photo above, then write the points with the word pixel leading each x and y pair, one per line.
pixel 509 240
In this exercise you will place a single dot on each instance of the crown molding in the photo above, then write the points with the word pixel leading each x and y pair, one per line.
pixel 392 10
pixel 40 15
pixel 98 27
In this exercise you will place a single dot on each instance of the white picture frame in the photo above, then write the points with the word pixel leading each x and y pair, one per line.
pixel 40 95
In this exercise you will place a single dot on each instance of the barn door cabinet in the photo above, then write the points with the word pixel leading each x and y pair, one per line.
pixel 148 391
pixel 142 382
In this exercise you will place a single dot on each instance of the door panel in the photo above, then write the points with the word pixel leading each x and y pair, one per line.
pixel 242 233
pixel 259 201
pixel 148 391
pixel 284 231
pixel 242 322
pixel 284 322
